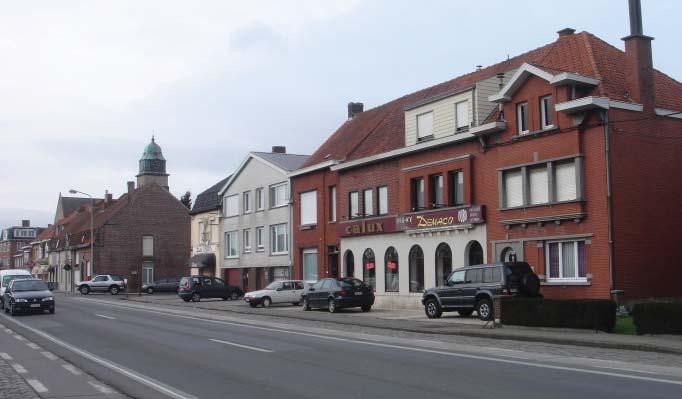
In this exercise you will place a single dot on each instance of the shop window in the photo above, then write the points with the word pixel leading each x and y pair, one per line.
pixel 566 261
pixel 443 263
pixel 391 270
pixel 474 253
pixel 417 193
pixel 416 260
pixel 369 270
pixel 436 188
pixel 349 264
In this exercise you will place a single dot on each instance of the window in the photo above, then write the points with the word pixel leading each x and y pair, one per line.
pixel 443 263
pixel 546 111
pixel 522 118
pixel 278 195
pixel 332 204
pixel 474 276
pixel 368 202
pixel 513 185
pixel 391 270
pixel 308 208
pixel 382 200
pixel 424 126
pixel 310 264
pixel 231 244
pixel 247 201
pixel 232 205
pixel 259 239
pixel 369 271
pixel 279 243
pixel 147 272
pixel 462 116
pixel 416 269
pixel 565 181
pixel 456 186
pixel 260 200
pixel 247 240
pixel 539 185
pixel 566 260
pixel 147 246
pixel 349 262
pixel 354 207
pixel 457 277
pixel 436 183
pixel 417 191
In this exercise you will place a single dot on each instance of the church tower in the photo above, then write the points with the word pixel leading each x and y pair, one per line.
pixel 152 166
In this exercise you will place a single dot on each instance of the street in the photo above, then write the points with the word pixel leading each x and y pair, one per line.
pixel 150 352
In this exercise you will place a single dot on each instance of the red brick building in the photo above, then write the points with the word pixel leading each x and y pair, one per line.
pixel 554 157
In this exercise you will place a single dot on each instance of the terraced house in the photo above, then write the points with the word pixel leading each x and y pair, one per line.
pixel 563 156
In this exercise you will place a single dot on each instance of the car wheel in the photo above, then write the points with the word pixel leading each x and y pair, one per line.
pixel 306 305
pixel 331 305
pixel 296 303
pixel 185 299
pixel 253 304
pixel 266 302
pixel 150 290
pixel 366 308
pixel 196 297
pixel 432 309
pixel 484 308
pixel 234 295
pixel 85 290
pixel 465 313
pixel 114 290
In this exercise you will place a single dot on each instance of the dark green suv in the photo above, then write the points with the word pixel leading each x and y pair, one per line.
pixel 475 288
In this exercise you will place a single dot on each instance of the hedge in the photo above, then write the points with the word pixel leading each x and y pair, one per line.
pixel 657 318
pixel 596 314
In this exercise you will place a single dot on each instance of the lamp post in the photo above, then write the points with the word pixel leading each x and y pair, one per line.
pixel 92 235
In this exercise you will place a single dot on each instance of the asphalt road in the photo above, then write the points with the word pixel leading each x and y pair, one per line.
pixel 147 352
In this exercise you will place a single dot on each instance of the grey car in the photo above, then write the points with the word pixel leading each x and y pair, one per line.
pixel 166 284
pixel 102 283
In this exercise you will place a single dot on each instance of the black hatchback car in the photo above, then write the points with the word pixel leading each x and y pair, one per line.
pixel 196 288
pixel 475 287
pixel 28 295
pixel 337 293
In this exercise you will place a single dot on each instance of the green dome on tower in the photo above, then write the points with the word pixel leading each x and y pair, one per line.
pixel 152 161
pixel 152 151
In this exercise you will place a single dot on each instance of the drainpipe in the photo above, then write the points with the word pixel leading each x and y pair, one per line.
pixel 609 205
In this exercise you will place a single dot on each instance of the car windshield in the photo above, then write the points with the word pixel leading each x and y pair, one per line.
pixel 30 285
pixel 274 285
pixel 351 283
pixel 7 279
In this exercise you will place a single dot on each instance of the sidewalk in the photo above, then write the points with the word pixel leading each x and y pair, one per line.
pixel 450 324
pixel 12 386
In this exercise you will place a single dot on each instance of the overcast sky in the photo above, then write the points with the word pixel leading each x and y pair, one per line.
pixel 83 84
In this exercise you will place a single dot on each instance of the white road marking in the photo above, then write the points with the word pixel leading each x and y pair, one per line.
pixel 407 348
pixel 19 337
pixel 49 355
pixel 253 348
pixel 141 378
pixel 8 331
pixel 106 317
pixel 18 368
pixel 5 356
pixel 72 369
pixel 37 385
pixel 104 389
pixel 32 345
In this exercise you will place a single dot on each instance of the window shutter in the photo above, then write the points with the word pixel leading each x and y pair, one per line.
pixel 425 125
pixel 539 191
pixel 462 115
pixel 309 208
pixel 147 246
pixel 565 181
pixel 232 205
pixel 383 200
pixel 513 188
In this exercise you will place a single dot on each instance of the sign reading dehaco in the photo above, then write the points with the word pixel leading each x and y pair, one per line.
pixel 435 219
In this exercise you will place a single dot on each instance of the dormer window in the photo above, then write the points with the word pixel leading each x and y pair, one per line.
pixel 425 126
pixel 462 116
pixel 546 112
pixel 522 118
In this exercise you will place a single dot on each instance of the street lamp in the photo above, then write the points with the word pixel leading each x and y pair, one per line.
pixel 92 235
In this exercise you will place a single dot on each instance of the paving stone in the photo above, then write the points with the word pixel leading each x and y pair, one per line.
pixel 12 386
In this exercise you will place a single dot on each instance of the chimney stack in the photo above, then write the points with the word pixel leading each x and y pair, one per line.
pixel 25 223
pixel 131 187
pixel 354 109
pixel 279 149
pixel 639 69
pixel 566 32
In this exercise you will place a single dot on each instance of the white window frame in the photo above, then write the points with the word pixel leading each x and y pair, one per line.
pixel 229 246
pixel 246 201
pixel 274 249
pixel 557 166
pixel 518 172
pixel 246 238
pixel 368 206
pixel 561 260
pixel 545 113
pixel 147 240
pixel 234 205
pixel 532 199
pixel 273 197
pixel 382 200
pixel 461 128
pixel 147 272
pixel 427 132
pixel 519 119
pixel 353 205
pixel 260 199
pixel 260 245
pixel 307 206
pixel 332 202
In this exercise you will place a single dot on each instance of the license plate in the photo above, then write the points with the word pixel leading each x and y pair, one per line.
pixel 35 305
pixel 358 293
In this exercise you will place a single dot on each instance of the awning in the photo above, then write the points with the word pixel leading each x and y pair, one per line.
pixel 203 260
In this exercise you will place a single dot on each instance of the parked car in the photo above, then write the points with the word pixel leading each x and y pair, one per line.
pixel 195 288
pixel 26 295
pixel 336 293
pixel 102 283
pixel 8 275
pixel 476 287
pixel 166 284
pixel 283 291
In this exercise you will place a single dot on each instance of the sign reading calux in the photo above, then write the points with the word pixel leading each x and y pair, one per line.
pixel 474 214
pixel 367 226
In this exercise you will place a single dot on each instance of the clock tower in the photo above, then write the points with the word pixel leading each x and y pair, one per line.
pixel 152 166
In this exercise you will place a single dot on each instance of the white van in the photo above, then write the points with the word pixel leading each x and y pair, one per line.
pixel 8 275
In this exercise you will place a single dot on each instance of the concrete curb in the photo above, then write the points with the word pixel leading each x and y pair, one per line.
pixel 468 332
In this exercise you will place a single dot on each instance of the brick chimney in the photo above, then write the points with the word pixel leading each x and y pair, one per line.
pixel 638 61
pixel 354 109
pixel 131 187
pixel 25 223
pixel 107 197
pixel 566 32
pixel 279 149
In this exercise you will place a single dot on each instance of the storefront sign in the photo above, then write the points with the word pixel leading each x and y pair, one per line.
pixel 448 218
pixel 367 226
